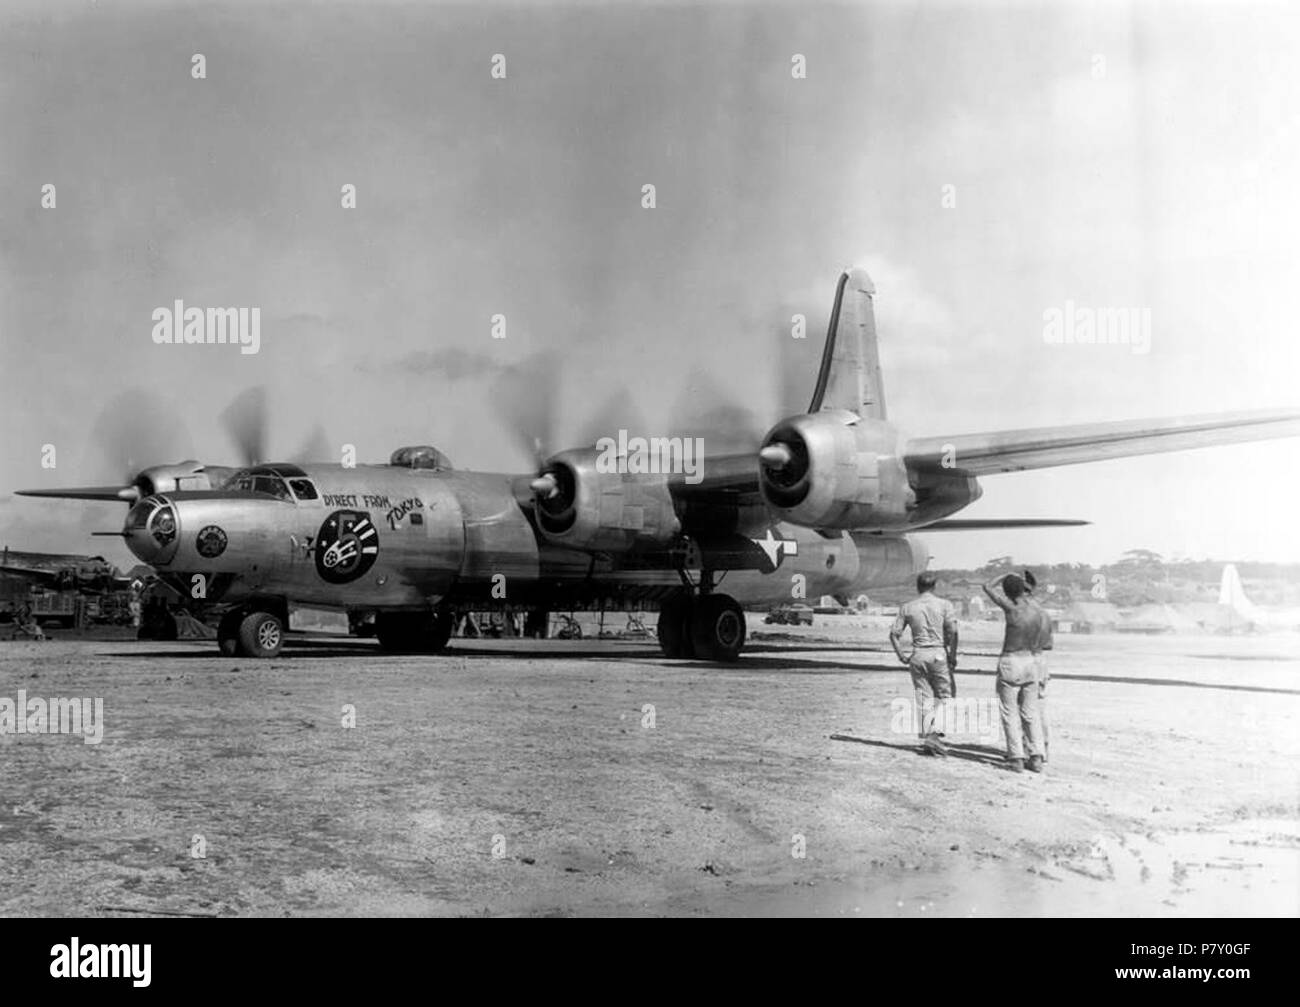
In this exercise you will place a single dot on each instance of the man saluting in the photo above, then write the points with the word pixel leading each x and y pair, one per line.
pixel 1040 654
pixel 1017 682
pixel 934 642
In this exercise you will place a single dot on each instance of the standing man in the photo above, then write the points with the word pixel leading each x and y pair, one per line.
pixel 934 637
pixel 1044 644
pixel 1017 681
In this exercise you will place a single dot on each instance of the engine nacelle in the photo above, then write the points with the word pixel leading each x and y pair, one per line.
pixel 835 469
pixel 886 560
pixel 578 505
pixel 187 475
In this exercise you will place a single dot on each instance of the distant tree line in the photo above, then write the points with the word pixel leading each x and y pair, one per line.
pixel 1138 577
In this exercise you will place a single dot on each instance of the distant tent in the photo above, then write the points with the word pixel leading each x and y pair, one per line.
pixel 1090 616
pixel 1156 618
pixel 1211 617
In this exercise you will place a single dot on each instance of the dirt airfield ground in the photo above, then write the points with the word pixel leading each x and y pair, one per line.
pixel 525 778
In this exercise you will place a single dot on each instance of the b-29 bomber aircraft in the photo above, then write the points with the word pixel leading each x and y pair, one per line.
pixel 822 507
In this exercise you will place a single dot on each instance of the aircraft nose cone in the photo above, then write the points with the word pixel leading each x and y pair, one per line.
pixel 152 531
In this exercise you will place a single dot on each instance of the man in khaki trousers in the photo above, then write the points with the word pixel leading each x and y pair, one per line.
pixel 933 623
pixel 1017 681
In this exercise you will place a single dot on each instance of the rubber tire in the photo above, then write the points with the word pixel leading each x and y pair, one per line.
pixel 674 628
pixel 718 628
pixel 228 633
pixel 261 635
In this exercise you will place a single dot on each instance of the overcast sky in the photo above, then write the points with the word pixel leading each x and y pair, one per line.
pixel 1115 155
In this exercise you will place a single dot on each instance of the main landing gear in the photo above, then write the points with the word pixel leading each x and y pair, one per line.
pixel 700 624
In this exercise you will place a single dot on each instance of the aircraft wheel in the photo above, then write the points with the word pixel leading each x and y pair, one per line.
pixel 261 635
pixel 228 633
pixel 674 629
pixel 718 628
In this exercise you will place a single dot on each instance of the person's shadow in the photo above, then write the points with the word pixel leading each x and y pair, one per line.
pixel 985 754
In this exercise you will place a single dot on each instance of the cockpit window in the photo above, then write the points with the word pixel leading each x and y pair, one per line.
pixel 268 480
pixel 272 485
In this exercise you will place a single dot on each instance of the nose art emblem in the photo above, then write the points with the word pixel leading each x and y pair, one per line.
pixel 346 546
pixel 210 542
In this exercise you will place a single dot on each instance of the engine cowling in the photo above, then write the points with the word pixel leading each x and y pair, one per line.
pixel 187 475
pixel 835 469
pixel 838 470
pixel 580 506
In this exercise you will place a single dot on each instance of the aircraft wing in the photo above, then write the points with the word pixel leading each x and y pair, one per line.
pixel 59 569
pixel 47 577
pixel 78 493
pixel 1044 447
pixel 724 479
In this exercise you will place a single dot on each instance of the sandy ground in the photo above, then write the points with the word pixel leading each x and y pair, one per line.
pixel 527 778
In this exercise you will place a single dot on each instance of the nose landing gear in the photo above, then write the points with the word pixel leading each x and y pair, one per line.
pixel 244 633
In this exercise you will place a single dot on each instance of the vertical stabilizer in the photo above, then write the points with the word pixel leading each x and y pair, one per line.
pixel 1232 594
pixel 849 377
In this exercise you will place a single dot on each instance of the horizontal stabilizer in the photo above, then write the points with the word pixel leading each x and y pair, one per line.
pixel 1017 450
pixel 993 524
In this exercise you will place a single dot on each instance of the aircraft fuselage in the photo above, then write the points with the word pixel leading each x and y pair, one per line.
pixel 383 537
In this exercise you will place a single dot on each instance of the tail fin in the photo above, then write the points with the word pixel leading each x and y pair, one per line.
pixel 849 377
pixel 1232 594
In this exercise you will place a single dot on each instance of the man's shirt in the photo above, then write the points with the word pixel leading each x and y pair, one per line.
pixel 929 616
